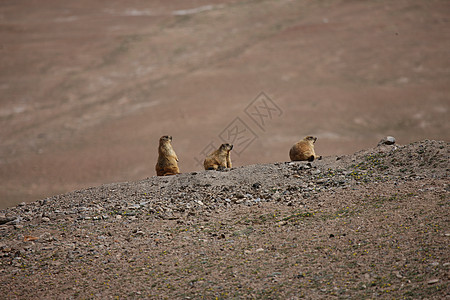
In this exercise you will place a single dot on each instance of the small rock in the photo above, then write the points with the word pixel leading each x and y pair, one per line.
pixel 433 281
pixel 9 221
pixel 259 250
pixel 389 140
pixel 256 185
pixel 134 206
pixel 45 219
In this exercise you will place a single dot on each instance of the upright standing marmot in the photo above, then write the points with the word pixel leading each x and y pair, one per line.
pixel 304 150
pixel 167 159
pixel 219 159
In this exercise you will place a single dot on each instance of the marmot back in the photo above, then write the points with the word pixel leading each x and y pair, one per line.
pixel 167 159
pixel 304 150
pixel 219 159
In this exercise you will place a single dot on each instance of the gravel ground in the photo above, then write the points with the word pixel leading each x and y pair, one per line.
pixel 374 224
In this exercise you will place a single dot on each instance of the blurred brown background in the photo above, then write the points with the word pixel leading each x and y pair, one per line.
pixel 88 87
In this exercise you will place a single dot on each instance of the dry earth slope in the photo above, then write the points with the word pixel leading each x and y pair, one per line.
pixel 374 224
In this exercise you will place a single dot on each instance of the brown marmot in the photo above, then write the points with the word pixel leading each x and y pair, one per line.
pixel 304 150
pixel 167 159
pixel 219 159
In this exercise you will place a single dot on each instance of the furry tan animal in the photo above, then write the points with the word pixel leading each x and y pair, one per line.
pixel 167 159
pixel 304 150
pixel 219 159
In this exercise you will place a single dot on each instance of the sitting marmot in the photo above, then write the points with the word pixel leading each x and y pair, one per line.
pixel 219 159
pixel 167 159
pixel 304 150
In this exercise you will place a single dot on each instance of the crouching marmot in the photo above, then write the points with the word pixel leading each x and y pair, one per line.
pixel 219 159
pixel 304 150
pixel 167 159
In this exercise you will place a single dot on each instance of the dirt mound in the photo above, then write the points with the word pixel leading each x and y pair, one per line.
pixel 369 225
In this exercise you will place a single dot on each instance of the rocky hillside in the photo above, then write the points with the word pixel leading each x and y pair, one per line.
pixel 374 224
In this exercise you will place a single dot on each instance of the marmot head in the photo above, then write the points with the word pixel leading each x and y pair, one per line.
pixel 165 138
pixel 310 139
pixel 226 147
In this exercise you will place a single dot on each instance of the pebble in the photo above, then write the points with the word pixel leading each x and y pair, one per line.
pixel 45 219
pixel 433 281
pixel 134 206
pixel 389 140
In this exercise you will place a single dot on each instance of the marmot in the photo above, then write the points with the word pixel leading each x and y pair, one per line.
pixel 219 159
pixel 167 159
pixel 304 150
